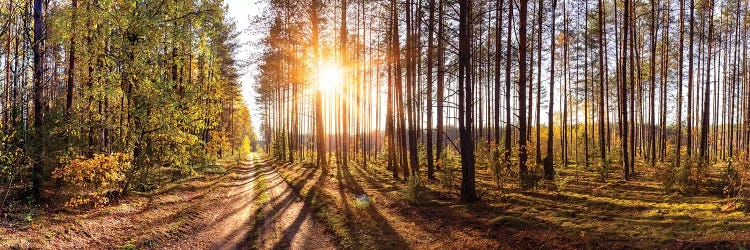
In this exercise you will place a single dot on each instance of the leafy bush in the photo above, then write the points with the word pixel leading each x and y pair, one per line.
pixel 447 167
pixel 414 191
pixel 495 165
pixel 735 180
pixel 687 178
pixel 603 170
pixel 667 174
pixel 93 181
pixel 561 182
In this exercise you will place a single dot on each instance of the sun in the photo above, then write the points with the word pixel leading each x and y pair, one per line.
pixel 329 77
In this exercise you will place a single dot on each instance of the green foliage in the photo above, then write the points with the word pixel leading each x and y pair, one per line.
pixel 447 167
pixel 495 165
pixel 561 182
pixel 510 222
pixel 603 170
pixel 414 191
pixel 155 81
pixel 667 174
pixel 92 181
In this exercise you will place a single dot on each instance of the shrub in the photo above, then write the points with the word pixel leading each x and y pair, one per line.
pixel 691 175
pixel 447 167
pixel 414 191
pixel 92 181
pixel 495 165
pixel 561 182
pixel 603 170
pixel 667 175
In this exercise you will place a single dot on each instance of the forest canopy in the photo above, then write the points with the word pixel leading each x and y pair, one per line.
pixel 105 97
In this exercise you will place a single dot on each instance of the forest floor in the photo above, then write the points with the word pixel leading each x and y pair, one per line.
pixel 248 206
pixel 365 208
pixel 278 205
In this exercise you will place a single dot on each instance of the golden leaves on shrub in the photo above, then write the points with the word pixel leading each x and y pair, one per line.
pixel 87 181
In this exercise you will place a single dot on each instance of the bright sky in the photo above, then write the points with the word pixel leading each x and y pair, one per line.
pixel 242 12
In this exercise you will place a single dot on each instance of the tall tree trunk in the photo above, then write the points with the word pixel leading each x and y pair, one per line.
pixel 678 151
pixel 602 93
pixel 689 137
pixel 343 35
pixel 707 87
pixel 410 85
pixel 540 17
pixel 586 89
pixel 319 126
pixel 38 47
pixel 430 56
pixel 508 126
pixel 440 81
pixel 652 123
pixel 498 46
pixel 623 91
pixel 465 109
pixel 549 167
pixel 522 152
pixel 399 92
pixel 71 61
pixel 390 127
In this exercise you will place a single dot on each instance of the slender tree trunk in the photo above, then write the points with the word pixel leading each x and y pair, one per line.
pixel 498 46
pixel 707 88
pixel 540 16
pixel 430 56
pixel 623 91
pixel 586 88
pixel 399 92
pixel 343 35
pixel 440 81
pixel 38 47
pixel 549 169
pixel 678 150
pixel 508 126
pixel 319 127
pixel 652 122
pixel 522 153
pixel 689 137
pixel 602 93
pixel 465 109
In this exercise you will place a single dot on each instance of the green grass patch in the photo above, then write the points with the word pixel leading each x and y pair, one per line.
pixel 261 200
pixel 510 222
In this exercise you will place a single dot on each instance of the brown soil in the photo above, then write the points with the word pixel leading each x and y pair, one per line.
pixel 214 211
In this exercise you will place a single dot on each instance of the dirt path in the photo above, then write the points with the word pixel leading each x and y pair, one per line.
pixel 272 217
pixel 287 223
pixel 249 207
pixel 229 223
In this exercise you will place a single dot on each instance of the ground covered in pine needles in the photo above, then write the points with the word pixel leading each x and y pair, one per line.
pixel 218 208
pixel 363 207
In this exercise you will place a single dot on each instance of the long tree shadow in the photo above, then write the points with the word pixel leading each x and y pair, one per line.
pixel 372 224
pixel 305 212
pixel 443 220
pixel 275 206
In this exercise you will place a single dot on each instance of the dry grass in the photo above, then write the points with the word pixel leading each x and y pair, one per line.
pixel 583 212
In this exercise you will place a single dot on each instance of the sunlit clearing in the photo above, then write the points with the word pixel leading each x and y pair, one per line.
pixel 329 77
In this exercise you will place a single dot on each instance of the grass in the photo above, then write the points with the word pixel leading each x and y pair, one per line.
pixel 261 200
pixel 577 211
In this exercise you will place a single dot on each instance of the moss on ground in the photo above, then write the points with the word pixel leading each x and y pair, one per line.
pixel 588 211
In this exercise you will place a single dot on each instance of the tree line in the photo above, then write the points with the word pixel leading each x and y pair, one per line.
pixel 656 85
pixel 153 82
